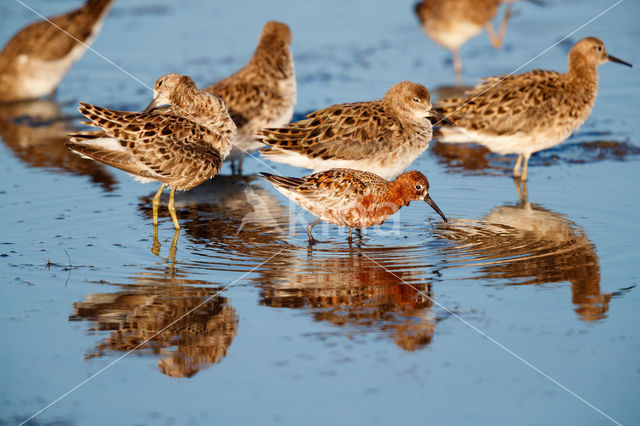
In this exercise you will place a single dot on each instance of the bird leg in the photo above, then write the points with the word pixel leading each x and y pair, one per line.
pixel 156 203
pixel 309 227
pixel 172 210
pixel 497 40
pixel 457 65
pixel 349 238
pixel 526 167
pixel 516 169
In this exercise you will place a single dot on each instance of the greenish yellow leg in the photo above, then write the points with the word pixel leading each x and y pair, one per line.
pixel 172 210
pixel 516 169
pixel 156 203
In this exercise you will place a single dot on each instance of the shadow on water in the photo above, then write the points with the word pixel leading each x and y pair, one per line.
pixel 188 328
pixel 36 132
pixel 523 244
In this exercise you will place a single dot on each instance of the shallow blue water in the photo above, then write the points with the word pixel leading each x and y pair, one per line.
pixel 415 323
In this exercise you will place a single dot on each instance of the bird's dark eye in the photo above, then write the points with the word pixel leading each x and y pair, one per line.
pixel 415 100
pixel 599 48
pixel 418 187
pixel 160 83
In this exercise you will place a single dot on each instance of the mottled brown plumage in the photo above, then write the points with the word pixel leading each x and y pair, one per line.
pixel 353 198
pixel 180 146
pixel 525 113
pixel 34 61
pixel 382 136
pixel 262 93
pixel 451 23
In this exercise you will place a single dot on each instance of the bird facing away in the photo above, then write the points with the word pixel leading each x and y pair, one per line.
pixel 382 136
pixel 261 94
pixel 451 23
pixel 353 198
pixel 179 146
pixel 525 113
pixel 34 61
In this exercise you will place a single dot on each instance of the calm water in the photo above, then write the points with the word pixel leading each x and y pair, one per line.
pixel 416 322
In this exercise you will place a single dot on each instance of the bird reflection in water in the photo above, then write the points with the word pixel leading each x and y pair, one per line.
pixel 36 132
pixel 527 244
pixel 188 328
pixel 472 159
pixel 229 215
pixel 369 292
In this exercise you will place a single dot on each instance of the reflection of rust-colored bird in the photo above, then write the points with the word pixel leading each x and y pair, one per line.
pixel 527 244
pixel 186 333
pixel 34 61
pixel 36 132
pixel 364 291
pixel 451 23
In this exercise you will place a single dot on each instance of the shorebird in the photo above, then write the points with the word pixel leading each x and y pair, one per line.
pixel 353 198
pixel 180 146
pixel 525 113
pixel 451 23
pixel 261 94
pixel 382 136
pixel 34 61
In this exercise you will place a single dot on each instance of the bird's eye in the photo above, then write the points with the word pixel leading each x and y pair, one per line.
pixel 415 100
pixel 160 83
pixel 418 187
pixel 599 48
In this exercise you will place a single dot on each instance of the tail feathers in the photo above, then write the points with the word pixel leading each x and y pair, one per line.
pixel 99 148
pixel 283 181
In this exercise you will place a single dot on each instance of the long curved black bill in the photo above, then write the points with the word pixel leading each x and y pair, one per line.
pixel 434 206
pixel 619 61
pixel 438 118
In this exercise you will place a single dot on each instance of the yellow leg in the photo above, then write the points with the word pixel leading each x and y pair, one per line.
pixel 156 203
pixel 498 39
pixel 172 210
pixel 526 166
pixel 516 169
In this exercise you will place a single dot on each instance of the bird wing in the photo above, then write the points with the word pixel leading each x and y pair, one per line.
pixel 164 147
pixel 506 105
pixel 351 131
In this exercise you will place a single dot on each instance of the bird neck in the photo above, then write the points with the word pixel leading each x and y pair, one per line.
pixel 201 107
pixel 273 58
pixel 582 72
pixel 399 193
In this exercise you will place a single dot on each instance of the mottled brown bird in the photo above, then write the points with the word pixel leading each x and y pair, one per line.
pixel 180 146
pixel 451 23
pixel 34 61
pixel 382 136
pixel 525 113
pixel 262 93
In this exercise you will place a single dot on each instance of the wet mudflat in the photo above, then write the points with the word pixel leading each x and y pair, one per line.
pixel 235 320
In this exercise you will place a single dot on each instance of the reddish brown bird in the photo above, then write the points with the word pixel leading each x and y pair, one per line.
pixel 353 198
